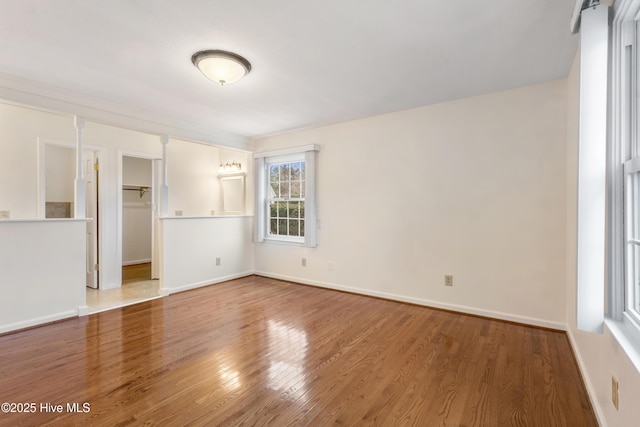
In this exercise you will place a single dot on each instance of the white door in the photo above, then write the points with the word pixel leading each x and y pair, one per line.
pixel 90 166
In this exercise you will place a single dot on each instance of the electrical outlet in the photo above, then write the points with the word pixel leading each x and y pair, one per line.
pixel 614 391
pixel 218 261
pixel 5 215
pixel 178 213
pixel 213 212
pixel 304 262
pixel 448 280
pixel 330 265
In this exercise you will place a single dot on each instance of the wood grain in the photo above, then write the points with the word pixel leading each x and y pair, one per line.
pixel 257 351
pixel 136 272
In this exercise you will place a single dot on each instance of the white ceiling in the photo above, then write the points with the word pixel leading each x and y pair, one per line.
pixel 314 62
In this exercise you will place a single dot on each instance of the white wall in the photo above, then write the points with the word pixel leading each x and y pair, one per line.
pixel 192 178
pixel 42 265
pixel 599 355
pixel 191 246
pixel 136 171
pixel 60 171
pixel 474 188
pixel 19 132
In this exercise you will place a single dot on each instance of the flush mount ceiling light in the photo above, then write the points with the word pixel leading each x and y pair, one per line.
pixel 220 66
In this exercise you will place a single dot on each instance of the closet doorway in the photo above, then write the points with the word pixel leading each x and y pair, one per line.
pixel 137 221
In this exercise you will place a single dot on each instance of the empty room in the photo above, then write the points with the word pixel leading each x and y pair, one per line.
pixel 295 213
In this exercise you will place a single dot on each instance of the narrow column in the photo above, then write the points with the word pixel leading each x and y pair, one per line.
pixel 164 188
pixel 79 187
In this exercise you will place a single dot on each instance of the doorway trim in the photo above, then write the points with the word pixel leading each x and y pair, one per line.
pixel 155 215
pixel 99 153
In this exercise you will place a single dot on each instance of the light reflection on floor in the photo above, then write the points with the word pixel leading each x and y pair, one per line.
pixel 287 369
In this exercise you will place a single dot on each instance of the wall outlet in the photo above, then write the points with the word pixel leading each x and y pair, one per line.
pixel 304 262
pixel 330 265
pixel 448 280
pixel 213 212
pixel 614 391
pixel 178 213
pixel 218 261
pixel 5 215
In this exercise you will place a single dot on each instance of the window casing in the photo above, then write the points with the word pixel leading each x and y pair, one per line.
pixel 285 195
pixel 630 152
pixel 624 181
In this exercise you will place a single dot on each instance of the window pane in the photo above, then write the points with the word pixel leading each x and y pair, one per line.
pixel 273 226
pixel 295 171
pixel 273 190
pixel 633 278
pixel 294 209
pixel 282 227
pixel 302 227
pixel 302 210
pixel 284 190
pixel 282 209
pixel 284 172
pixel 295 189
pixel 273 173
pixel 302 171
pixel 273 209
pixel 633 217
pixel 294 227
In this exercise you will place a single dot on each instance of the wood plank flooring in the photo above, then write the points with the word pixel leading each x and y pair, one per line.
pixel 136 273
pixel 257 351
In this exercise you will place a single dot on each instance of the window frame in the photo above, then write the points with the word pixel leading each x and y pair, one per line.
pixel 281 160
pixel 262 160
pixel 624 159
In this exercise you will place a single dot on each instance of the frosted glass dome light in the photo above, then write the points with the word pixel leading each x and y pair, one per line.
pixel 220 66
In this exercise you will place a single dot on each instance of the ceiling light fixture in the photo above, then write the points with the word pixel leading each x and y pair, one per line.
pixel 221 66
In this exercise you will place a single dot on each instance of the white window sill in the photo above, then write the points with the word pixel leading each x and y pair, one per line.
pixel 284 241
pixel 628 337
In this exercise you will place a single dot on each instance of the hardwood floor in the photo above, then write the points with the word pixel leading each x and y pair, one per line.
pixel 136 273
pixel 257 351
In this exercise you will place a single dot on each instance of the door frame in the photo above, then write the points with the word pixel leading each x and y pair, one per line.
pixel 99 154
pixel 155 214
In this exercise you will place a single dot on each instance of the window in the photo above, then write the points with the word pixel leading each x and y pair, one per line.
pixel 285 205
pixel 624 181
pixel 285 200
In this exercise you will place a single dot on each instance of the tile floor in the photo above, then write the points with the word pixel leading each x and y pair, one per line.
pixel 129 293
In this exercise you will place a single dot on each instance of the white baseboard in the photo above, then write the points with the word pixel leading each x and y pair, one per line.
pixel 208 282
pixel 83 310
pixel 593 396
pixel 136 261
pixel 38 321
pixel 427 303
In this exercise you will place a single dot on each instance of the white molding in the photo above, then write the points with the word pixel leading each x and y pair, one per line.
pixel 38 321
pixel 22 92
pixel 423 302
pixel 591 391
pixel 83 310
pixel 287 151
pixel 212 281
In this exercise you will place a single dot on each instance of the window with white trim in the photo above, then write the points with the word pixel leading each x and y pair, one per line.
pixel 286 200
pixel 285 195
pixel 629 150
pixel 624 179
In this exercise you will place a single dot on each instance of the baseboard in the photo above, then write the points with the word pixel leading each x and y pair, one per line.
pixel 38 321
pixel 208 282
pixel 137 261
pixel 427 303
pixel 83 310
pixel 593 397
